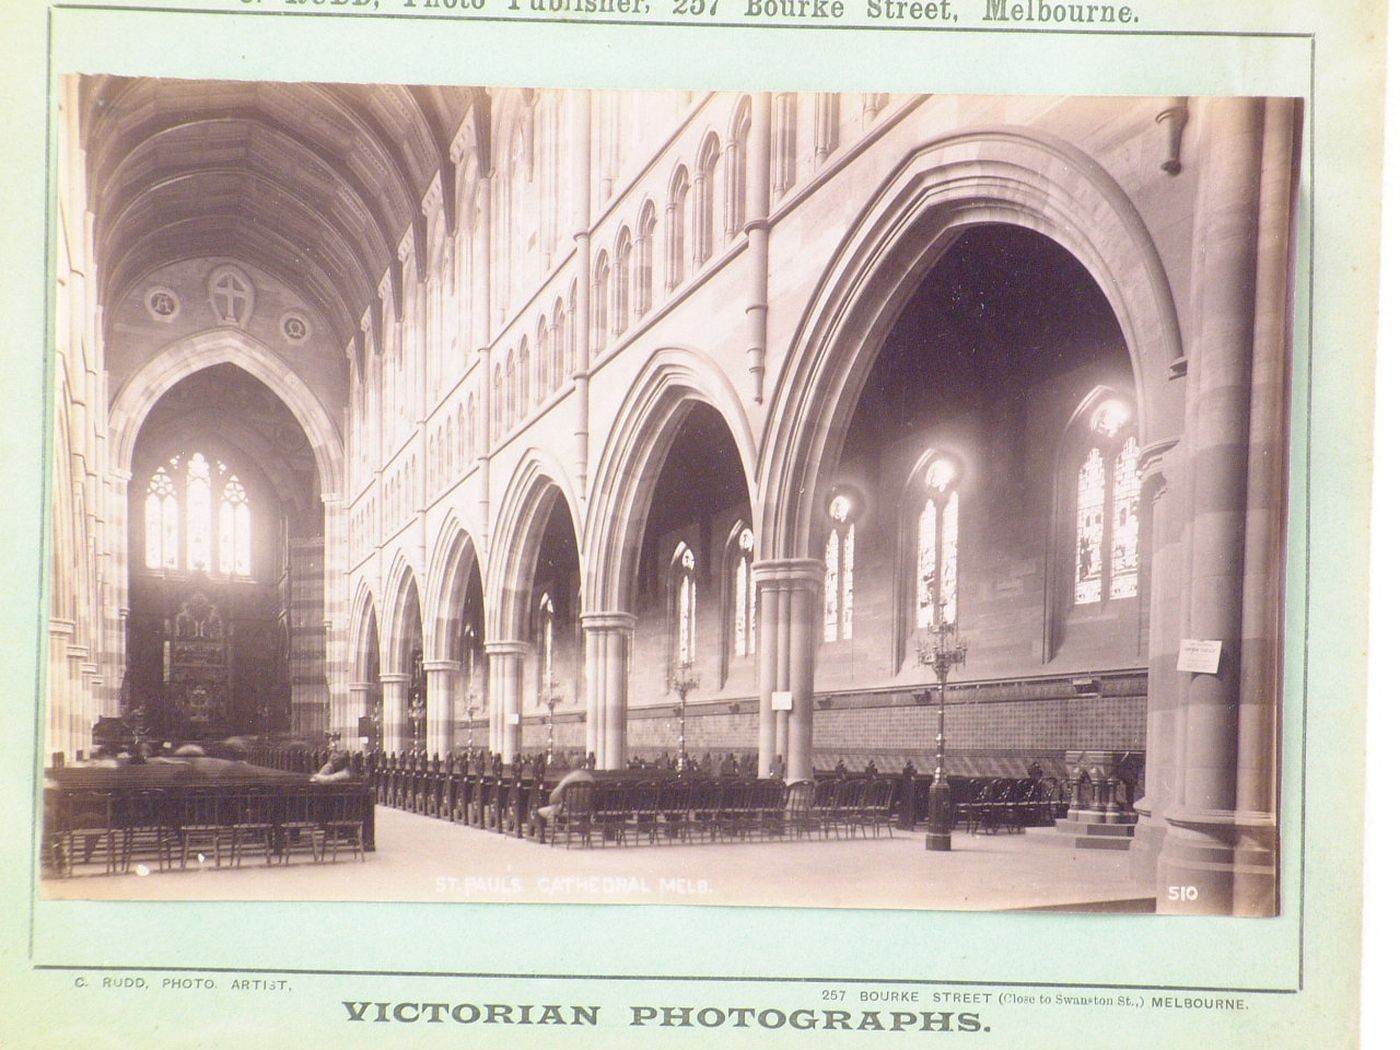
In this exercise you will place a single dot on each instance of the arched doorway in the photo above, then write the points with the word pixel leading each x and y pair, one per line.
pixel 226 540
pixel 534 666
pixel 694 596
pixel 403 678
pixel 989 480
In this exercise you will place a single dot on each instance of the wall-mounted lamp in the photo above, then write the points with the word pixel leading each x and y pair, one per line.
pixel 1173 119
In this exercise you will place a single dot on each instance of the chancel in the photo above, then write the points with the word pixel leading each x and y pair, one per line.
pixel 623 468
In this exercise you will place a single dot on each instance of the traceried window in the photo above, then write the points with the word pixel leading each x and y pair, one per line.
pixel 745 595
pixel 162 523
pixel 198 526
pixel 840 569
pixel 1106 509
pixel 197 509
pixel 546 643
pixel 936 579
pixel 235 530
pixel 685 608
pixel 646 247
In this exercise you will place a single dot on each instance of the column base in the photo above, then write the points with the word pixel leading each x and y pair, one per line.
pixel 1222 866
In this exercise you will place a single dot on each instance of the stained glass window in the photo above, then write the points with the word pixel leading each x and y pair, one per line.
pixel 546 646
pixel 840 570
pixel 235 530
pixel 1088 586
pixel 1126 485
pixel 683 568
pixel 833 586
pixel 199 528
pixel 189 484
pixel 936 561
pixel 162 523
pixel 745 596
pixel 1106 510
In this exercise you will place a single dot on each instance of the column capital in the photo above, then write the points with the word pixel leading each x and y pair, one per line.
pixel 394 678
pixel 441 665
pixel 802 572
pixel 360 687
pixel 607 621
pixel 506 648
pixel 1155 460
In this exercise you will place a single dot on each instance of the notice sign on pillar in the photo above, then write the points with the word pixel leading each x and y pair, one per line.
pixel 782 700
pixel 1199 656
pixel 513 718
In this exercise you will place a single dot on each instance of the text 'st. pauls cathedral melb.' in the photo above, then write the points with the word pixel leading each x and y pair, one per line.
pixel 926 442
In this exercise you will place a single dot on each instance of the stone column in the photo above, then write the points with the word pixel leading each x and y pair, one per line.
pixel 506 663
pixel 481 336
pixel 357 704
pixel 1161 539
pixel 757 200
pixel 789 598
pixel 395 725
pixel 579 110
pixel 607 652
pixel 1210 863
pixel 442 716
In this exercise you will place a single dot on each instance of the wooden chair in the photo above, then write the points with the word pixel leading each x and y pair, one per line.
pixel 342 823
pixel 612 807
pixel 253 819
pixel 766 809
pixel 87 823
pixel 876 807
pixel 824 806
pixel 148 829
pixel 798 817
pixel 673 807
pixel 644 817
pixel 299 830
pixel 574 815
pixel 204 825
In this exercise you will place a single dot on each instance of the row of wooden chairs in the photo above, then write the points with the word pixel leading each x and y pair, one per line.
pixel 195 827
pixel 716 809
pixel 1010 804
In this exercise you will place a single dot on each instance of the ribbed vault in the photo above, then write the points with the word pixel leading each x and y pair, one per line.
pixel 316 184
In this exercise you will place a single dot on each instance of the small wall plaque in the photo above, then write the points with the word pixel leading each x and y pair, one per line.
pixel 1199 656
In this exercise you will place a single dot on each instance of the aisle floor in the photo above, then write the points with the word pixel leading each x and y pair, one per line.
pixel 423 859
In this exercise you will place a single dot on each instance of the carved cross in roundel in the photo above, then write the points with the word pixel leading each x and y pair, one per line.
pixel 230 296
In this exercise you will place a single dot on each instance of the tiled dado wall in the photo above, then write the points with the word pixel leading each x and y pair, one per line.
pixel 988 724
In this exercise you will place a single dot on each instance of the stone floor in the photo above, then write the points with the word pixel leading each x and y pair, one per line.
pixel 422 859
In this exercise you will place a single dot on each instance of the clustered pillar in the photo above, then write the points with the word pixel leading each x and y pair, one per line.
pixel 607 652
pixel 357 705
pixel 505 672
pixel 442 682
pixel 1219 855
pixel 395 710
pixel 789 597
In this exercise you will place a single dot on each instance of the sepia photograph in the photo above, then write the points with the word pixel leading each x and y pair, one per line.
pixel 796 499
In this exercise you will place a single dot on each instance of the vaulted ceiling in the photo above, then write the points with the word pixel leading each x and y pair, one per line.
pixel 317 184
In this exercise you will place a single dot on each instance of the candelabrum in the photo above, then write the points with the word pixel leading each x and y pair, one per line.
pixel 471 717
pixel 683 683
pixel 551 701
pixel 941 650
pixel 417 715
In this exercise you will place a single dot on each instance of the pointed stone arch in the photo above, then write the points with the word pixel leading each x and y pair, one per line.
pixel 449 571
pixel 192 354
pixel 671 383
pixel 524 513
pixel 992 175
